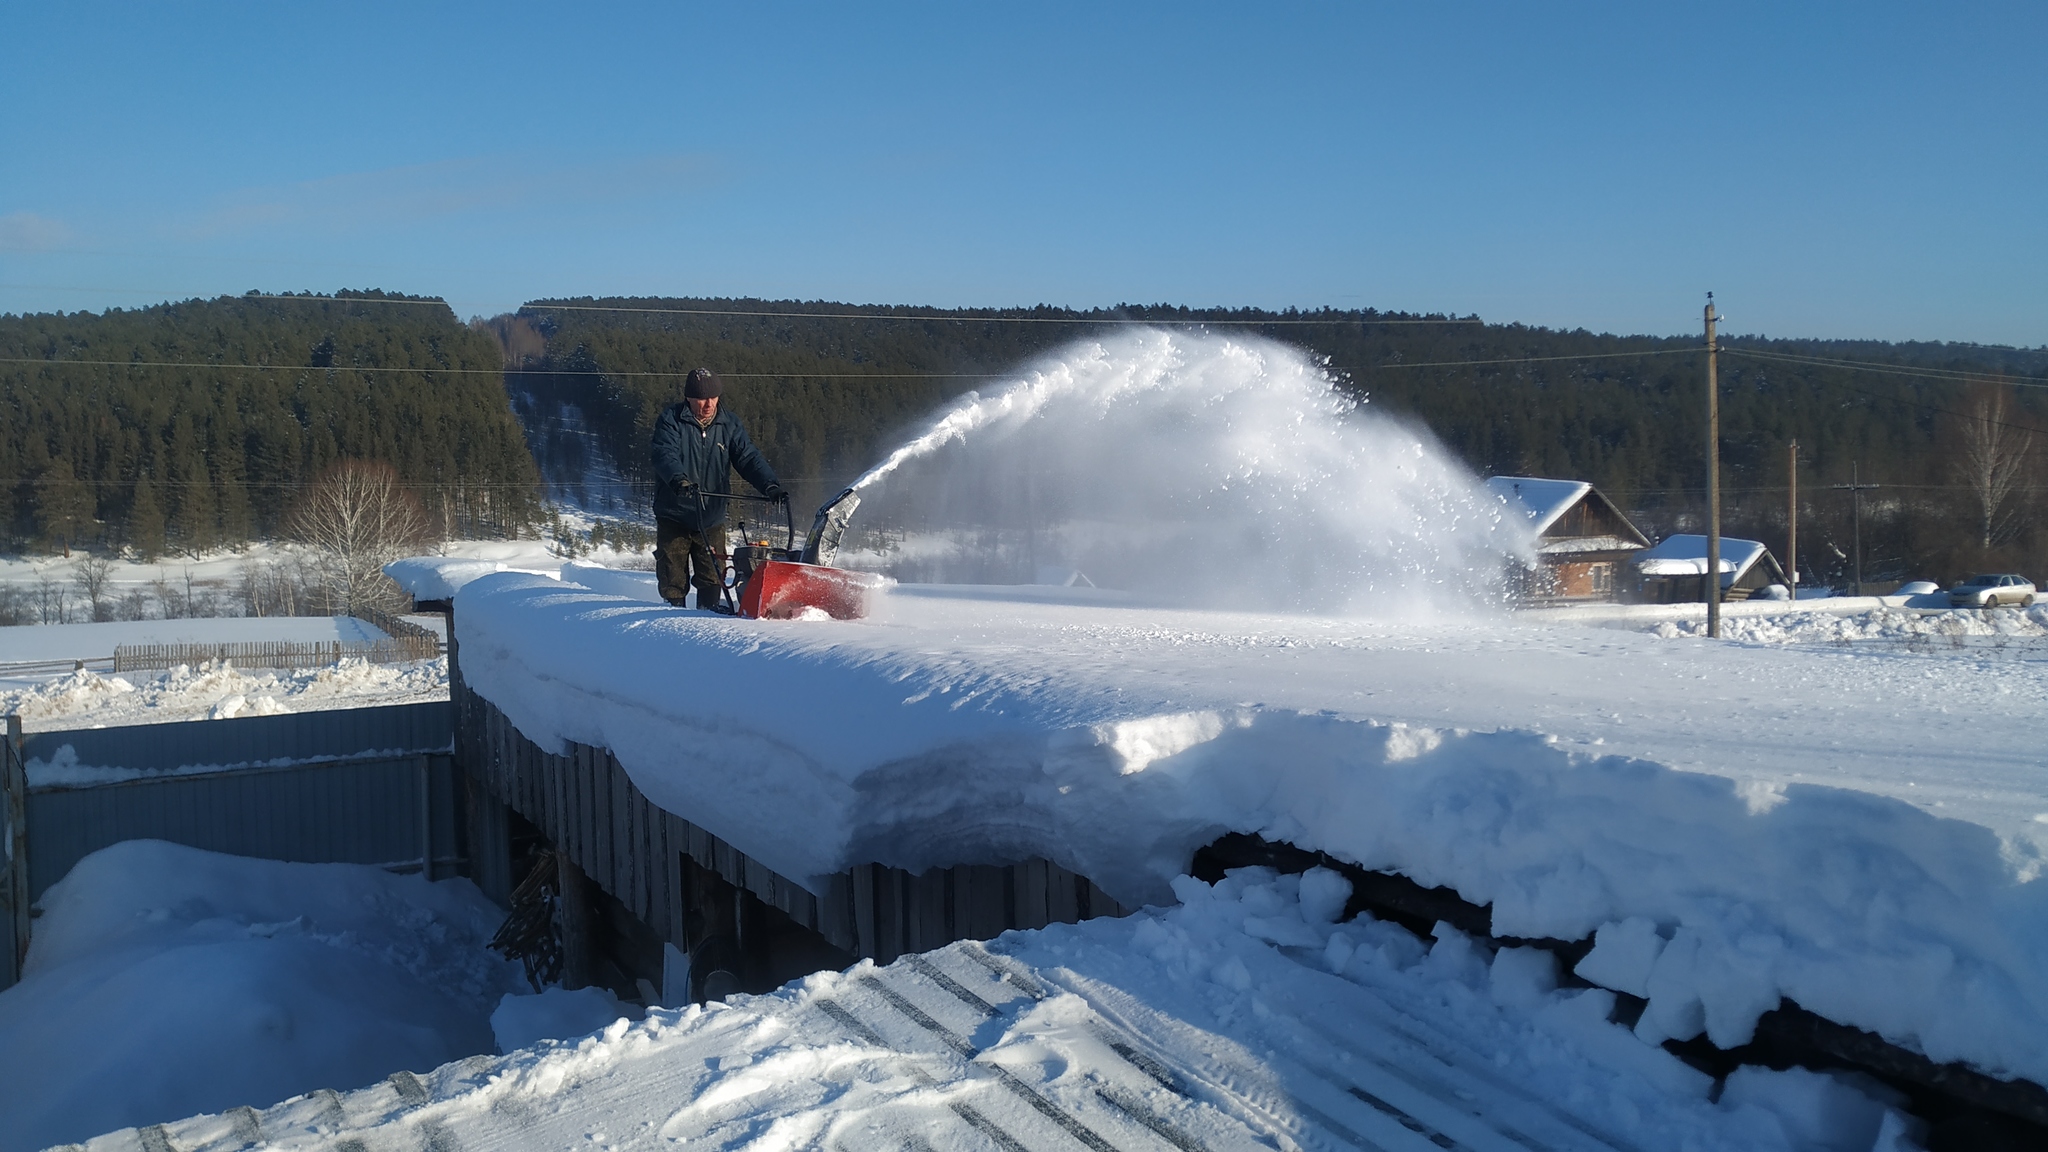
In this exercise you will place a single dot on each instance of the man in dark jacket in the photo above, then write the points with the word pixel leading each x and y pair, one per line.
pixel 696 450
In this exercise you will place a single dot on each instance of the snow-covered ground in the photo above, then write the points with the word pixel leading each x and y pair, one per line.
pixel 221 569
pixel 162 981
pixel 1846 809
pixel 30 643
pixel 1244 1018
pixel 1862 833
pixel 216 691
pixel 2024 629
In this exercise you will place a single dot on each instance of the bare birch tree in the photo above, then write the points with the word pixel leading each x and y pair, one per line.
pixel 1992 462
pixel 357 517
pixel 91 574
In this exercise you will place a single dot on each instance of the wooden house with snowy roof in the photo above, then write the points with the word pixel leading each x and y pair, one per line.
pixel 1675 571
pixel 1583 542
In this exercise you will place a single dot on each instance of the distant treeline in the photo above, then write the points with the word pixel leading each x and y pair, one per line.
pixel 127 452
pixel 155 458
pixel 1627 413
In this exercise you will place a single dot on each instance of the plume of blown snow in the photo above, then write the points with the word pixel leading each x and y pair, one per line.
pixel 1189 468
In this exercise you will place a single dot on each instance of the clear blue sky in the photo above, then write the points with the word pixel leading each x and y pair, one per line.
pixel 1866 170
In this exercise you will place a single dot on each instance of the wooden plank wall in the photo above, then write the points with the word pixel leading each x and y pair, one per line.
pixel 585 804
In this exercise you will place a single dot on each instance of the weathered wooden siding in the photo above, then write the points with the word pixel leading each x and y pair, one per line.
pixel 586 805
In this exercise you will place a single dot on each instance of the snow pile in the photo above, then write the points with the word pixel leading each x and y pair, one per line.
pixel 164 981
pixel 1558 1043
pixel 522 1021
pixel 1194 468
pixel 1116 742
pixel 1891 624
pixel 218 690
pixel 80 692
pixel 1245 1018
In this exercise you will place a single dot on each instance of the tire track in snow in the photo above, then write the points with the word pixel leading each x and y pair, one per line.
pixel 962 1047
pixel 1437 1109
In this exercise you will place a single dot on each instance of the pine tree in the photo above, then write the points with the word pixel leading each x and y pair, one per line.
pixel 145 528
pixel 63 507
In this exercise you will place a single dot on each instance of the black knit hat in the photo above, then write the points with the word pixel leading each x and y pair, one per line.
pixel 702 384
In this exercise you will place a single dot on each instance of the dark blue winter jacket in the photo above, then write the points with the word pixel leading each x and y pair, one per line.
pixel 706 456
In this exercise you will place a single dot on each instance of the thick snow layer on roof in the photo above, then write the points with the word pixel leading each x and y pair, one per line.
pixel 437 577
pixel 1686 555
pixel 1529 768
pixel 1543 501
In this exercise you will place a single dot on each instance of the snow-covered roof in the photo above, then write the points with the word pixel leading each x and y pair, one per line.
pixel 437 577
pixel 1115 740
pixel 1541 500
pixel 1686 555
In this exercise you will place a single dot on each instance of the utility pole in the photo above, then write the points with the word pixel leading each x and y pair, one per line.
pixel 1792 519
pixel 1713 579
pixel 1857 488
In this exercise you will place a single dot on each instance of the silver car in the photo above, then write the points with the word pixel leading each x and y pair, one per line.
pixel 1992 590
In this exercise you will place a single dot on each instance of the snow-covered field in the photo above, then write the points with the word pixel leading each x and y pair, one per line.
pixel 220 572
pixel 28 643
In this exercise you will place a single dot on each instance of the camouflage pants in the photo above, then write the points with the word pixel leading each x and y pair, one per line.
pixel 683 558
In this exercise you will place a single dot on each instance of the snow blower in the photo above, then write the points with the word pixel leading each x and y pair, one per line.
pixel 789 582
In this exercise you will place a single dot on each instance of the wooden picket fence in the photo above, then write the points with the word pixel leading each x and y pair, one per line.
pixel 275 654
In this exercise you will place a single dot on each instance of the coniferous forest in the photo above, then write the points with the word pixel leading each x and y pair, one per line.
pixel 1627 413
pixel 184 427
pixel 150 431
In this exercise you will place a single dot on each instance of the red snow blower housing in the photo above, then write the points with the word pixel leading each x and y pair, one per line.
pixel 789 582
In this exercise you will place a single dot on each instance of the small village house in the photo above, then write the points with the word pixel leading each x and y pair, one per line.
pixel 1674 572
pixel 1583 542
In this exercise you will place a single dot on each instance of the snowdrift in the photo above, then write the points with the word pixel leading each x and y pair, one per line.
pixel 165 980
pixel 1115 742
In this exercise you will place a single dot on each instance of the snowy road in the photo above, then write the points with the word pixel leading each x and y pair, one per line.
pixel 1180 1029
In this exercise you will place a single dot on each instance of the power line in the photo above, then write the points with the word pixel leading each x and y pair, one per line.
pixel 437 302
pixel 937 317
pixel 1520 360
pixel 36 360
pixel 201 364
pixel 1955 375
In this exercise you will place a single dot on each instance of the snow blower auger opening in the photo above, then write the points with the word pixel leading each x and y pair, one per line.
pixel 789 590
pixel 789 583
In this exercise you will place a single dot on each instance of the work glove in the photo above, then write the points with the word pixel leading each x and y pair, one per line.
pixel 777 493
pixel 683 487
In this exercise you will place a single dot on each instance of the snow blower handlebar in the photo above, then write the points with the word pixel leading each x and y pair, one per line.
pixel 788 519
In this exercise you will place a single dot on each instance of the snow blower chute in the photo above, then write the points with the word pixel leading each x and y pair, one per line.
pixel 786 583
